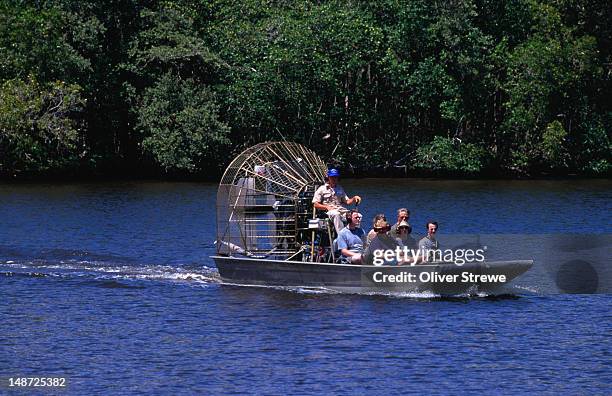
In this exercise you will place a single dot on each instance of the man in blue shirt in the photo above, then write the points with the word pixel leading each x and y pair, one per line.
pixel 350 238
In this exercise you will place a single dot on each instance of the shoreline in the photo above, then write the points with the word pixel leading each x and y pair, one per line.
pixel 92 177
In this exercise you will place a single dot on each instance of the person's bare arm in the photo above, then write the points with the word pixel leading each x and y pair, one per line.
pixel 320 206
pixel 355 199
pixel 348 253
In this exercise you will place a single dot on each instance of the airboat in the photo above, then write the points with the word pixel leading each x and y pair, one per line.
pixel 269 234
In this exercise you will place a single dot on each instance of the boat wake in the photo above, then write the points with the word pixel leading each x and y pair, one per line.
pixel 507 293
pixel 105 271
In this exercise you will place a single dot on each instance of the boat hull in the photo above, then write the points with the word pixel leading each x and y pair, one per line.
pixel 437 278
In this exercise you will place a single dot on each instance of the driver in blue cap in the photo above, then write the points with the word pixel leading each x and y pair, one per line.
pixel 331 196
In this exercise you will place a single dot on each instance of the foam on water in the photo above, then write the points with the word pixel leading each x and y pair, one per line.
pixel 531 289
pixel 422 295
pixel 109 271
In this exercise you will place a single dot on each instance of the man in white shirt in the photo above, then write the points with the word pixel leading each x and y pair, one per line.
pixel 331 196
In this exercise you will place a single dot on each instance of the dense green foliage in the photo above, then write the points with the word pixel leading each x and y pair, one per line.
pixel 516 87
pixel 39 130
pixel 443 155
pixel 180 127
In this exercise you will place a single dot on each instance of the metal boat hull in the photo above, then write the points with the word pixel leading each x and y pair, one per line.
pixel 438 278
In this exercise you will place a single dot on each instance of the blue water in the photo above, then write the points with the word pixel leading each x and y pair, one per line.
pixel 110 286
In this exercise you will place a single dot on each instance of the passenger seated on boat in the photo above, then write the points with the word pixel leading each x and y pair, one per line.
pixel 350 239
pixel 429 242
pixel 383 242
pixel 404 230
pixel 372 233
pixel 403 214
pixel 331 196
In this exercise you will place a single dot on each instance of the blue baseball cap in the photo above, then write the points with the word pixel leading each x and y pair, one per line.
pixel 333 172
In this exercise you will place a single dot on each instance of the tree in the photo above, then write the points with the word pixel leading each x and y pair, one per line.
pixel 302 71
pixel 48 42
pixel 548 77
pixel 39 127
pixel 446 156
pixel 178 121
